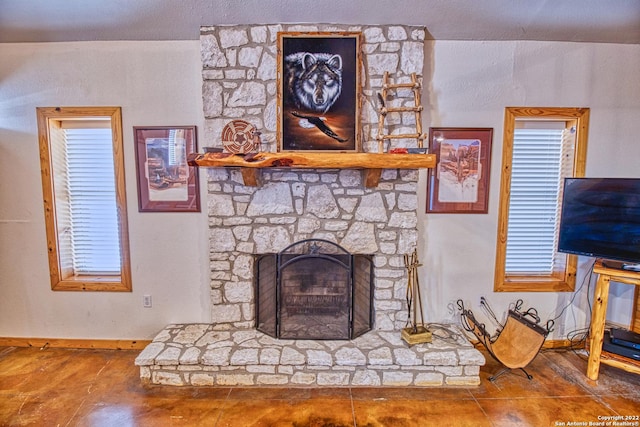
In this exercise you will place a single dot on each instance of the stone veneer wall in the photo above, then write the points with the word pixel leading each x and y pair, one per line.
pixel 296 205
pixel 239 77
pixel 239 82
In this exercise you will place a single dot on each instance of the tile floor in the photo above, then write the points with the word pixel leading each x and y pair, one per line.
pixel 66 387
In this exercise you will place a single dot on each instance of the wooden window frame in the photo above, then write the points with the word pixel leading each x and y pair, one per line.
pixel 562 280
pixel 116 283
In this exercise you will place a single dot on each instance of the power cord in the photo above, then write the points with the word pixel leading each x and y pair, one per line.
pixel 578 337
pixel 589 275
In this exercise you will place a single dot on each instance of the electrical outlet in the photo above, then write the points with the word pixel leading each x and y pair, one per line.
pixel 146 301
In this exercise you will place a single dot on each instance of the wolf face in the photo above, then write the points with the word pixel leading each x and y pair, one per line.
pixel 313 80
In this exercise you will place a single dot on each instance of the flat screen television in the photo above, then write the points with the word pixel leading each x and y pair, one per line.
pixel 600 218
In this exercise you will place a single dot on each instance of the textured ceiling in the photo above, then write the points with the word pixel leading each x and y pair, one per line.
pixel 609 21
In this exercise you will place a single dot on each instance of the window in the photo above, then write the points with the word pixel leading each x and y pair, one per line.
pixel 82 166
pixel 541 147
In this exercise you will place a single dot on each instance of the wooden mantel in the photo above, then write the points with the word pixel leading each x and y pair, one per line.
pixel 372 163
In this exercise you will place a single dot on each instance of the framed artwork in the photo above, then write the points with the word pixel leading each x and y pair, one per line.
pixel 460 181
pixel 318 91
pixel 166 183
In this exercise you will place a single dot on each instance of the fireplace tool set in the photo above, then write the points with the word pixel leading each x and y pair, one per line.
pixel 414 332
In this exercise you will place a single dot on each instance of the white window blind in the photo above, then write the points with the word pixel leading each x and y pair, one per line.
pixel 86 212
pixel 542 158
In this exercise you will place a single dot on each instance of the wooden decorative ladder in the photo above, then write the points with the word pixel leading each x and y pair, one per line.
pixel 384 110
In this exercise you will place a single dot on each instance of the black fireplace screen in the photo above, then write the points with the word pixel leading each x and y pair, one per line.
pixel 314 289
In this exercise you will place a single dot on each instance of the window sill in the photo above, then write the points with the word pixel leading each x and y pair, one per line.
pixel 534 284
pixel 92 284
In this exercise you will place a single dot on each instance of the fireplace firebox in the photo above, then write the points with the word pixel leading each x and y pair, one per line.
pixel 314 289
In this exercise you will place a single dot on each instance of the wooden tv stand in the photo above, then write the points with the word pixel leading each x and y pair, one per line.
pixel 599 317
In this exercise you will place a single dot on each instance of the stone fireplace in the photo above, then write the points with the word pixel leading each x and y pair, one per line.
pixel 294 205
pixel 240 82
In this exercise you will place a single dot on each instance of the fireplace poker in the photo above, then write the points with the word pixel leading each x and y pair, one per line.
pixel 415 332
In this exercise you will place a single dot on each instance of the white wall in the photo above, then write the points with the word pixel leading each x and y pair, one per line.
pixel 155 83
pixel 471 83
pixel 467 84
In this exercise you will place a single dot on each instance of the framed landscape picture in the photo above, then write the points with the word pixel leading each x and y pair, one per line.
pixel 319 91
pixel 460 181
pixel 166 183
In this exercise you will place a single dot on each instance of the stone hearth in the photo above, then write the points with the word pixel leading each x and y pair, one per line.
pixel 199 355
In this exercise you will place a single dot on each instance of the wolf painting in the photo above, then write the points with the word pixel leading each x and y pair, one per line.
pixel 319 91
pixel 313 80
